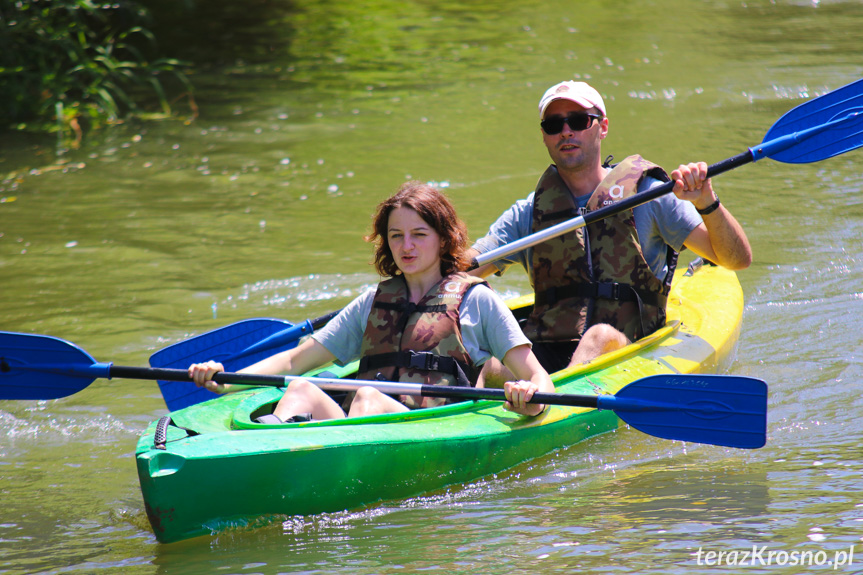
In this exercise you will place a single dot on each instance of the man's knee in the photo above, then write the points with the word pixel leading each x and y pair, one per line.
pixel 597 340
pixel 602 333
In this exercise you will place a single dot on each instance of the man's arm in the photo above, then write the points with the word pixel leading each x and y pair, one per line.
pixel 720 238
pixel 512 225
pixel 482 271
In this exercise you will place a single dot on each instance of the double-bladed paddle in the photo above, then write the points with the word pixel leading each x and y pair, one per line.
pixel 716 409
pixel 818 129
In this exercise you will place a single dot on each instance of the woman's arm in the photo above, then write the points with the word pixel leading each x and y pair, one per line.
pixel 530 378
pixel 306 356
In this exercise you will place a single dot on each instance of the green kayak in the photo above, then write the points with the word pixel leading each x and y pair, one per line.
pixel 216 467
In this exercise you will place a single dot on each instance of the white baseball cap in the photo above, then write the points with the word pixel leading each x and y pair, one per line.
pixel 578 92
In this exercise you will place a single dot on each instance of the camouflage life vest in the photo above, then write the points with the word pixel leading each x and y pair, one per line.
pixel 595 274
pixel 418 343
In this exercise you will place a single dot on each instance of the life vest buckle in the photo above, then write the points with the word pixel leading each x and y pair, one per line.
pixel 608 290
pixel 422 360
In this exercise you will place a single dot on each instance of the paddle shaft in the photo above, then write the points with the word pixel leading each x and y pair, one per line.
pixel 334 384
pixel 596 215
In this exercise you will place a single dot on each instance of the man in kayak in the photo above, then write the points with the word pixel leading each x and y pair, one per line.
pixel 428 323
pixel 602 286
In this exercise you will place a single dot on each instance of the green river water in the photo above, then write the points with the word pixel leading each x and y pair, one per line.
pixel 155 231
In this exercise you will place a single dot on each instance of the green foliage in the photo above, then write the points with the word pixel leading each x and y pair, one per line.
pixel 69 64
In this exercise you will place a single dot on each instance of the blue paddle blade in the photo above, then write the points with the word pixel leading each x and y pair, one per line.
pixel 719 409
pixel 44 367
pixel 821 128
pixel 235 346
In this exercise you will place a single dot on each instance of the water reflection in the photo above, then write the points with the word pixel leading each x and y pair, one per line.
pixel 682 493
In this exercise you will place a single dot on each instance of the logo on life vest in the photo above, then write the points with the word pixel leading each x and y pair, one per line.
pixel 616 191
pixel 452 289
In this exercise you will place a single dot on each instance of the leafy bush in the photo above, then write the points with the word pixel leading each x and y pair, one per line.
pixel 69 64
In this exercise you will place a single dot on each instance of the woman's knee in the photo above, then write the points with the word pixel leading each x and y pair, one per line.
pixel 368 395
pixel 301 387
pixel 366 401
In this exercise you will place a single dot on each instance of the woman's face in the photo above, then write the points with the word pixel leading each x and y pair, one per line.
pixel 415 245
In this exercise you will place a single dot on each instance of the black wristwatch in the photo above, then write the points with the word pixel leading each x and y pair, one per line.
pixel 709 209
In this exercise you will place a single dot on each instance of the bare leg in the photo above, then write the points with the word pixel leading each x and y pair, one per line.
pixel 597 340
pixel 304 397
pixel 494 374
pixel 370 401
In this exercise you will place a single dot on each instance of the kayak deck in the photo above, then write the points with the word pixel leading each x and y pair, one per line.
pixel 235 470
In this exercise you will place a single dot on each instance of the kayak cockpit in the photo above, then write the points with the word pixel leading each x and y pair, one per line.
pixel 263 402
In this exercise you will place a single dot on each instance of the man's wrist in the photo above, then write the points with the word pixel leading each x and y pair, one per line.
pixel 709 209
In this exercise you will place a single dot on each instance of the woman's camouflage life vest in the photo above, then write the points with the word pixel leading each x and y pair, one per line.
pixel 595 274
pixel 418 343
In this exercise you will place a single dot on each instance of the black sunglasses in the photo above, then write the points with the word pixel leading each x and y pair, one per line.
pixel 577 122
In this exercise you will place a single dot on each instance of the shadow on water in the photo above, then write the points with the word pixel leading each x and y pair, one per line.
pixel 219 32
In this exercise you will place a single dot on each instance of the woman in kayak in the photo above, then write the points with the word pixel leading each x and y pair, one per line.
pixel 428 323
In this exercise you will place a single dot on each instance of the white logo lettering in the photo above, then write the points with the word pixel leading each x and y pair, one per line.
pixel 758 554
pixel 616 191
pixel 763 556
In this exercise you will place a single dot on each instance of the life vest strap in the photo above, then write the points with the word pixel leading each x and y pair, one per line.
pixel 410 307
pixel 421 360
pixel 600 290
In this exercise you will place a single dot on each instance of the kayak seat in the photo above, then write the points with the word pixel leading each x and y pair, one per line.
pixel 274 420
pixel 264 414
pixel 269 418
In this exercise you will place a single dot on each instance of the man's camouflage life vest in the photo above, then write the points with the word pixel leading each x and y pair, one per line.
pixel 595 274
pixel 418 343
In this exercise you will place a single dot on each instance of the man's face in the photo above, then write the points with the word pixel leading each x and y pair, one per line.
pixel 571 150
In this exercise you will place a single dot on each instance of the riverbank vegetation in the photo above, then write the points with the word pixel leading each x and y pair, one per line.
pixel 69 66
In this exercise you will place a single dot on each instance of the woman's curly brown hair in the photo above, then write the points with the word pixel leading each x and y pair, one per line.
pixel 435 210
